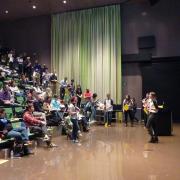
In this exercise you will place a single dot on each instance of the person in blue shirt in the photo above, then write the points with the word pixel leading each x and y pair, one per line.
pixel 20 135
pixel 56 108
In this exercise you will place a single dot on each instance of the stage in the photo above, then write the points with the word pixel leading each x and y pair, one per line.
pixel 115 153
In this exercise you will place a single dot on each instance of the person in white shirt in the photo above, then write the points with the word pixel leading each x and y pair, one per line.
pixel 152 117
pixel 11 60
pixel 145 104
pixel 73 114
pixel 63 85
pixel 108 108
pixel 20 64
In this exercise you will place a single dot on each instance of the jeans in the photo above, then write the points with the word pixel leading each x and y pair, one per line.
pixel 130 114
pixel 108 117
pixel 84 123
pixel 93 115
pixel 40 130
pixel 62 93
pixel 75 129
pixel 20 134
pixel 57 115
pixel 151 125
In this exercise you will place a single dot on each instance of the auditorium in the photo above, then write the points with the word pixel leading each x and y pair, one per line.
pixel 89 89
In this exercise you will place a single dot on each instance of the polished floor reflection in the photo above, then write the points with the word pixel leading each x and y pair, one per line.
pixel 116 153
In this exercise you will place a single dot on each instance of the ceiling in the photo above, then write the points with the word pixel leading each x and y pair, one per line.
pixel 23 8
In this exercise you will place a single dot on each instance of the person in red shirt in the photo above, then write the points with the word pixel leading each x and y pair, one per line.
pixel 87 95
pixel 36 125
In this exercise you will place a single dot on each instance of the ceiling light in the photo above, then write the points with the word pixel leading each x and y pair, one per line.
pixel 34 7
pixel 6 11
pixel 144 13
pixel 64 1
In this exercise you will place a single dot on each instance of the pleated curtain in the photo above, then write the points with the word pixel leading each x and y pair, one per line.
pixel 86 47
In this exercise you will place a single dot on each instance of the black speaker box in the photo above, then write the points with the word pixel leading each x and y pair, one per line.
pixel 146 42
pixel 153 2
pixel 164 123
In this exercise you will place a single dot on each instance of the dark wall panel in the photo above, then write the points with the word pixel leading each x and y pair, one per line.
pixel 160 20
pixel 31 35
pixel 164 79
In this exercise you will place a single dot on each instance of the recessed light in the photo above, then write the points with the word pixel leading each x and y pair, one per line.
pixel 34 7
pixel 144 13
pixel 6 11
pixel 64 1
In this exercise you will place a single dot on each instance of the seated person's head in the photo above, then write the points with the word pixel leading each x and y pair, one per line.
pixel 73 100
pixel 108 96
pixel 12 83
pixel 5 88
pixel 30 107
pixel 2 113
pixel 55 97
pixel 94 95
pixel 47 99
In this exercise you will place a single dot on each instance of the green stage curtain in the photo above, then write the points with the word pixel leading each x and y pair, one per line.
pixel 86 46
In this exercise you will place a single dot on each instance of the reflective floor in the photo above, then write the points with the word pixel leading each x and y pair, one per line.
pixel 116 153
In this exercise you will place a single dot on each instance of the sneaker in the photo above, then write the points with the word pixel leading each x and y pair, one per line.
pixel 51 145
pixel 46 138
pixel 106 125
pixel 76 141
pixel 154 140
pixel 80 134
pixel 17 156
pixel 29 152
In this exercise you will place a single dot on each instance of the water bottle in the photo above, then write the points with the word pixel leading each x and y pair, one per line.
pixel 12 154
pixel 35 145
pixel 6 153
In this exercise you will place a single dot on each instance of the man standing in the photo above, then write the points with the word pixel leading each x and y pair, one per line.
pixel 63 85
pixel 152 117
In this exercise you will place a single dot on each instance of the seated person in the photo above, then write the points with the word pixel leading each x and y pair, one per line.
pixel 56 107
pixel 38 108
pixel 37 89
pixel 23 82
pixel 20 134
pixel 46 104
pixel 31 95
pixel 87 95
pixel 36 125
pixel 5 95
pixel 15 91
pixel 83 120
pixel 2 77
pixel 47 93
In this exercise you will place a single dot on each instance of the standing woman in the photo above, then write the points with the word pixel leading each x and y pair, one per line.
pixel 108 108
pixel 79 95
pixel 145 107
pixel 74 120
pixel 152 117
pixel 134 106
pixel 128 109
